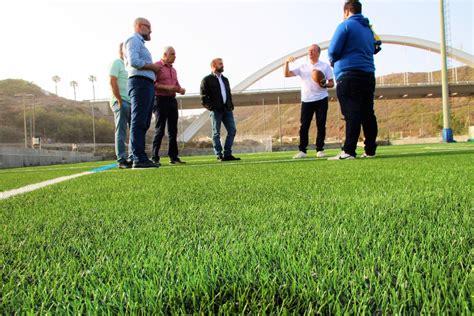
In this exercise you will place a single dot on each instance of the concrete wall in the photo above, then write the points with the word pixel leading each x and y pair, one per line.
pixel 11 157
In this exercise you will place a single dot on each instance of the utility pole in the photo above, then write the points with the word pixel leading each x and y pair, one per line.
pixel 24 120
pixel 279 119
pixel 93 79
pixel 23 95
pixel 447 131
pixel 34 119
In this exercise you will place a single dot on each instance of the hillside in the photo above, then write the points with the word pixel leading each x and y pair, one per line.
pixel 55 119
pixel 59 120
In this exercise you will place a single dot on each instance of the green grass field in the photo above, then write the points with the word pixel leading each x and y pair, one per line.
pixel 391 235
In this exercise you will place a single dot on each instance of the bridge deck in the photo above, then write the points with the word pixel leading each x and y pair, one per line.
pixel 292 96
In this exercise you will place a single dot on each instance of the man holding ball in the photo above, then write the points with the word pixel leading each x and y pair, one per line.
pixel 316 77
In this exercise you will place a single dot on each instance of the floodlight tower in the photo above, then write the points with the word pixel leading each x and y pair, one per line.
pixel 93 79
pixel 447 131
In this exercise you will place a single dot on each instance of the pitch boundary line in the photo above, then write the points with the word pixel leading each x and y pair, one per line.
pixel 36 186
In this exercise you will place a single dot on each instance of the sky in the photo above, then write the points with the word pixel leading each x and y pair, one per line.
pixel 74 39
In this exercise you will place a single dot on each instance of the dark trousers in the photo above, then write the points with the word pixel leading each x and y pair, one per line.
pixel 319 107
pixel 166 112
pixel 355 91
pixel 141 92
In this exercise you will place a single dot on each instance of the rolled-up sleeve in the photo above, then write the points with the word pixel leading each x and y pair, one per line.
pixel 133 47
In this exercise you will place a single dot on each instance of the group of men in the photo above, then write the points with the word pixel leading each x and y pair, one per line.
pixel 141 87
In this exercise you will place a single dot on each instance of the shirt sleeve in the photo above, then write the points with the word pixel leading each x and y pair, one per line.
pixel 337 44
pixel 132 49
pixel 328 72
pixel 296 71
pixel 114 69
pixel 177 81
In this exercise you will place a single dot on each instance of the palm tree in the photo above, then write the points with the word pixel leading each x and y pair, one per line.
pixel 74 84
pixel 56 79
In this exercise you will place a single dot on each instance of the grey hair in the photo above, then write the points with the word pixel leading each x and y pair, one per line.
pixel 139 20
pixel 167 49
pixel 317 46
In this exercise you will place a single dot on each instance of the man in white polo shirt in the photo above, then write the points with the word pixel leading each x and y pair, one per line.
pixel 314 98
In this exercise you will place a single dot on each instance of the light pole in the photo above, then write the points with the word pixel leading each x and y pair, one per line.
pixel 447 131
pixel 279 121
pixel 23 95
pixel 34 120
pixel 93 79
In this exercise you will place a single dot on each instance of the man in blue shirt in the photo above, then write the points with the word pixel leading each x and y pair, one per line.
pixel 141 76
pixel 351 53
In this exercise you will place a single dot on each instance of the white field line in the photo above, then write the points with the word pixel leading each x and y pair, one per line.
pixel 36 186
pixel 40 169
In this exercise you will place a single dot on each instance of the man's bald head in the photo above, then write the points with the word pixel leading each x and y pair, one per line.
pixel 217 65
pixel 139 21
pixel 313 52
pixel 169 55
pixel 121 50
pixel 143 27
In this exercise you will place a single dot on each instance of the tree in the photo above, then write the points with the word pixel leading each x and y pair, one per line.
pixel 74 84
pixel 56 79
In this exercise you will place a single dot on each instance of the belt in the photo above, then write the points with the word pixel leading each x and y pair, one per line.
pixel 142 77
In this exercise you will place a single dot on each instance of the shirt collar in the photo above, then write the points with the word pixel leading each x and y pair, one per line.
pixel 165 64
pixel 140 36
pixel 217 75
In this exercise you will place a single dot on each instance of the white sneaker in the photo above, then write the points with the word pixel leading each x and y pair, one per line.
pixel 342 156
pixel 364 155
pixel 320 154
pixel 299 155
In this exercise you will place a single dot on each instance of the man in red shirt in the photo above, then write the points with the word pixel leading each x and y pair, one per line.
pixel 166 106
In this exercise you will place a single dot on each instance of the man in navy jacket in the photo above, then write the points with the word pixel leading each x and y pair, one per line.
pixel 351 53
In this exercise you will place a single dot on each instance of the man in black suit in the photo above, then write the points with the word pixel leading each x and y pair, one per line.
pixel 217 98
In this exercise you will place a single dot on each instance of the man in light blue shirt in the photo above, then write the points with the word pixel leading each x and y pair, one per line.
pixel 141 76
pixel 120 104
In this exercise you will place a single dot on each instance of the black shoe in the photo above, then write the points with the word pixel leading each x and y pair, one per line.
pixel 144 164
pixel 176 161
pixel 220 157
pixel 156 161
pixel 125 164
pixel 229 158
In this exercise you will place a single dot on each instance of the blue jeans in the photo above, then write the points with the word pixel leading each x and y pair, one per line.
pixel 226 117
pixel 141 92
pixel 122 120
